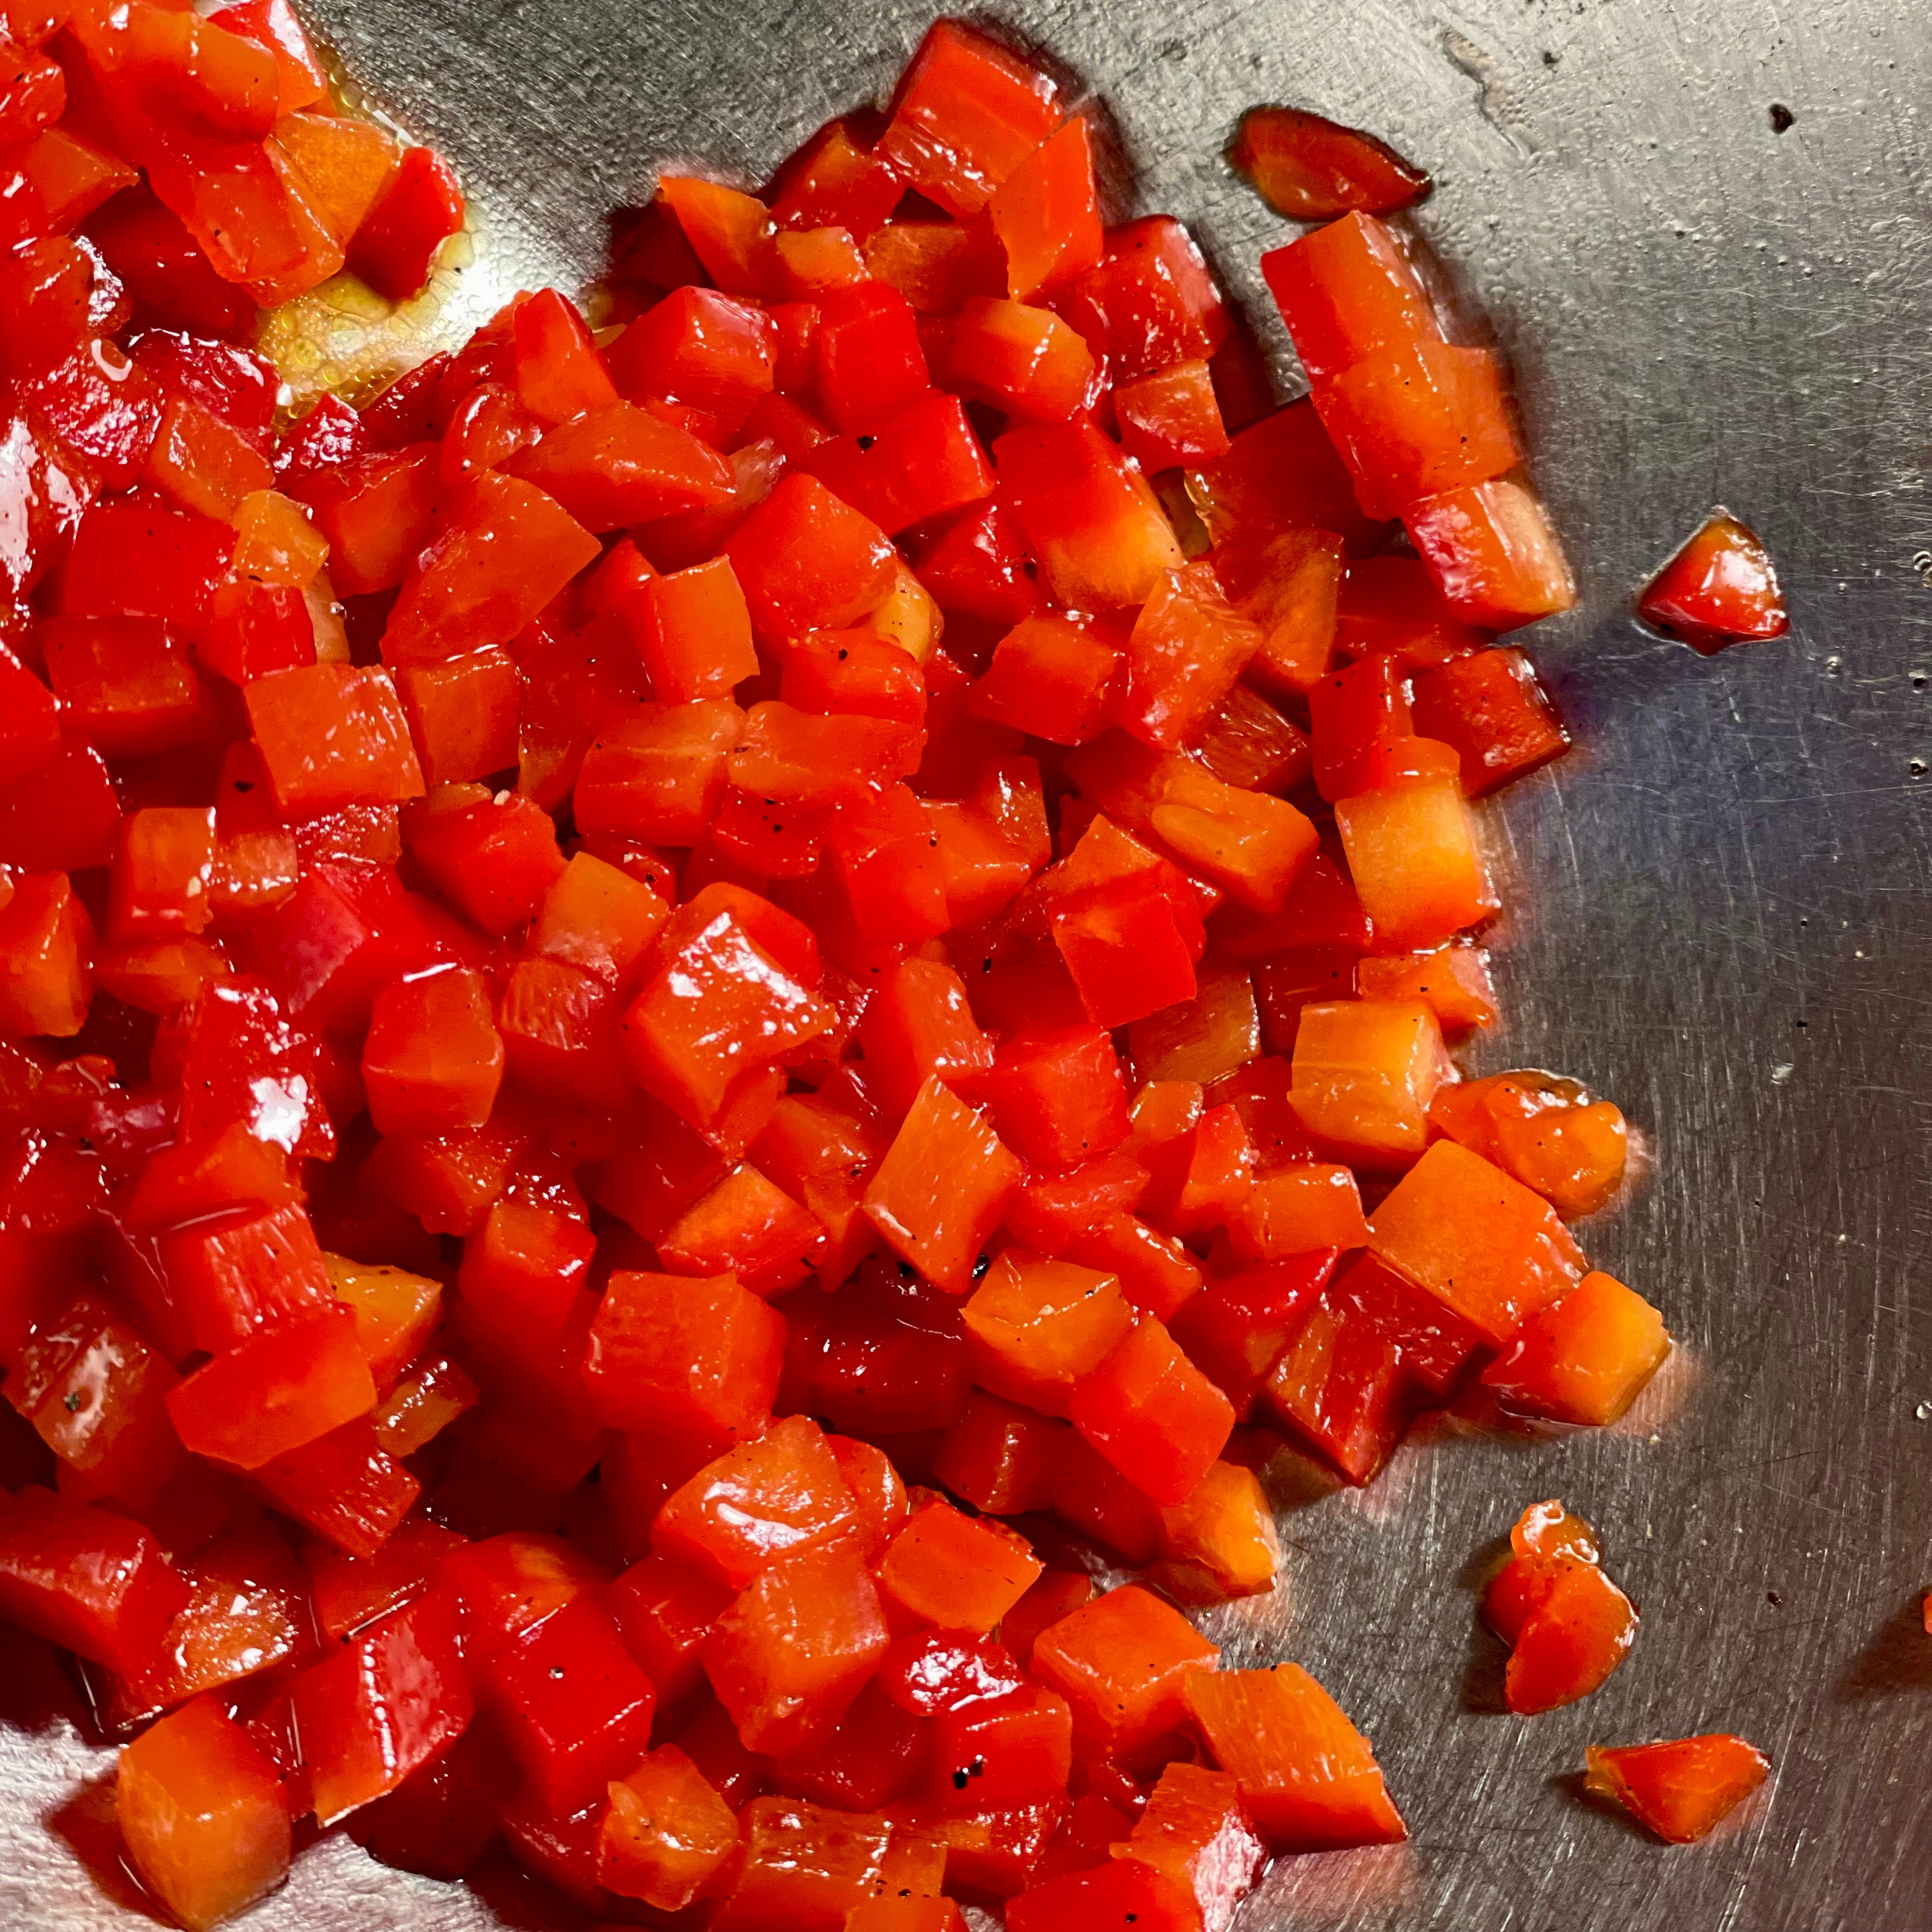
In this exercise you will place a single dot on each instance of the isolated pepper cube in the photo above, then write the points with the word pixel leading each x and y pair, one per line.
pixel 1347 292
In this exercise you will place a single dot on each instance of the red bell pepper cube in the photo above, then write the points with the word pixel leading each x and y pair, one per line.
pixel 967 116
pixel 280 1390
pixel 999 1457
pixel 1720 589
pixel 803 759
pixel 240 1273
pixel 1454 981
pixel 419 208
pixel 1125 1892
pixel 807 1866
pixel 1500 1258
pixel 203 1814
pixel 795 1648
pixel 1307 1776
pixel 669 1352
pixel 1364 1074
pixel 668 1834
pixel 462 716
pixel 350 1592
pixel 196 1180
pixel 1150 302
pixel 489 428
pixel 201 465
pixel 1124 1662
pixel 33 94
pixel 377 510
pixel 1036 1325
pixel 664 1610
pixel 96 1582
pixel 242 1063
pixel 132 558
pixel 1412 853
pixel 388 1701
pixel 344 1486
pixel 714 351
pixel 1584 1358
pixel 1051 677
pixel 622 464
pixel 938 1194
pixel 47 951
pixel 597 918
pixel 524 1272
pixel 1047 213
pixel 867 363
pixel 432 1060
pixel 1490 708
pixel 102 406
pixel 693 631
pixel 1310 1205
pixel 918 1024
pixel 332 736
pixel 558 373
pixel 330 434
pixel 885 1354
pixel 835 181
pixel 31 734
pixel 1058 1098
pixel 1026 360
pixel 492 858
pixel 1187 647
pixel 1348 292
pixel 1370 1352
pixel 918 462
pixel 1415 422
pixel 170 281
pixel 1170 418
pixel 719 1005
pixel 505 549
pixel 1353 714
pixel 1122 919
pixel 1221 1543
pixel 1310 169
pixel 854 672
pixel 574 1709
pixel 54 181
pixel 1567 1625
pixel 504 1585
pixel 757 1503
pixel 559 1031
pixel 998 1753
pixel 64 813
pixel 658 772
pixel 1682 1789
pixel 956 1572
pixel 808 562
pixel 1089 516
pixel 883 872
pixel 123 683
pixel 976 564
pixel 1152 1413
pixel 1050 1212
pixel 1498 563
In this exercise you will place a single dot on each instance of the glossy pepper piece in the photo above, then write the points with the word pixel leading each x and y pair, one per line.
pixel 954 1571
pixel 1721 588
pixel 1681 1790
pixel 1307 1776
pixel 667 1833
pixel 203 1815
pixel 1348 292
pixel 967 115
pixel 1124 1663
pixel 1584 1359
pixel 1310 169
pixel 1196 1830
pixel 1549 1132
pixel 419 208
pixel 432 1060
pixel 382 1706
pixel 806 1865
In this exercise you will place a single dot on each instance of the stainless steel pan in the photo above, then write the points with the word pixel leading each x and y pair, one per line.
pixel 1725 916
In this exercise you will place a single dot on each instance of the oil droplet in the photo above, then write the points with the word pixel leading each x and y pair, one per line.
pixel 1924 1411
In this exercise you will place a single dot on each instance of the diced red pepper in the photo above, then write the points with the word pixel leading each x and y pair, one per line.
pixel 1150 302
pixel 1681 1790
pixel 1310 169
pixel 1585 1358
pixel 1348 292
pixel 419 208
pixel 1720 589
pixel 1125 1662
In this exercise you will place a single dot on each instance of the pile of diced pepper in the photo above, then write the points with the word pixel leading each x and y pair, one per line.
pixel 699 1020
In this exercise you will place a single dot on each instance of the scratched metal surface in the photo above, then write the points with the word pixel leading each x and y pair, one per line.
pixel 1729 919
